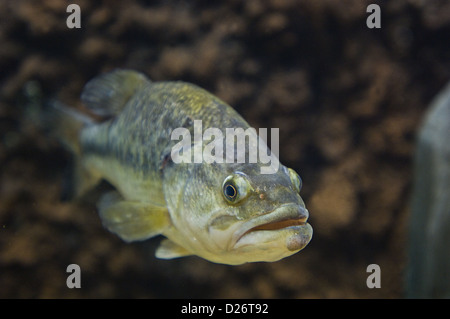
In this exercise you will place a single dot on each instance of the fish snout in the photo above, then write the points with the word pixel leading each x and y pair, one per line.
pixel 283 217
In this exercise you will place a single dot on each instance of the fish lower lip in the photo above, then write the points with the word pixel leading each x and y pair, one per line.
pixel 283 217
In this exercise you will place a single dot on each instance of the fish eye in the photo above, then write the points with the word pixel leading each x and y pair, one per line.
pixel 235 187
pixel 230 192
pixel 295 179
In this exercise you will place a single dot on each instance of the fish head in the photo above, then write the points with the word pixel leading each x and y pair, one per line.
pixel 266 219
pixel 245 216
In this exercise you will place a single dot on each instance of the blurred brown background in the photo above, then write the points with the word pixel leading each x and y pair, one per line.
pixel 348 101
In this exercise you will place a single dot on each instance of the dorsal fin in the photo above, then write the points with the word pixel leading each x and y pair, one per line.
pixel 107 94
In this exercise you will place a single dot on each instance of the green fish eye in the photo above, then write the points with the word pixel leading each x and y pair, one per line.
pixel 295 179
pixel 235 187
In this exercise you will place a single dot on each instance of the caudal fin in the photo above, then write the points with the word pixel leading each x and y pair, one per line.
pixel 65 124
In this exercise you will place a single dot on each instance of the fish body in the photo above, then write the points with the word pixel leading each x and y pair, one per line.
pixel 225 212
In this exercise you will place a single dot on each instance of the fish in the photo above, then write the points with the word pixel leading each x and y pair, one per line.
pixel 224 212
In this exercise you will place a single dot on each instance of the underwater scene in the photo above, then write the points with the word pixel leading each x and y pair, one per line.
pixel 282 149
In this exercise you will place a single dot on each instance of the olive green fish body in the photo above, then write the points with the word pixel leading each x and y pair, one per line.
pixel 139 138
pixel 224 212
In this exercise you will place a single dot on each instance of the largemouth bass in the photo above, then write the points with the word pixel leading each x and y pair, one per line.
pixel 224 212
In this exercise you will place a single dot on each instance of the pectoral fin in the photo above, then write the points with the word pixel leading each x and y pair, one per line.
pixel 132 220
pixel 168 250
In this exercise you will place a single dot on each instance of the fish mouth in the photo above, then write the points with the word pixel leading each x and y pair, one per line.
pixel 289 216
